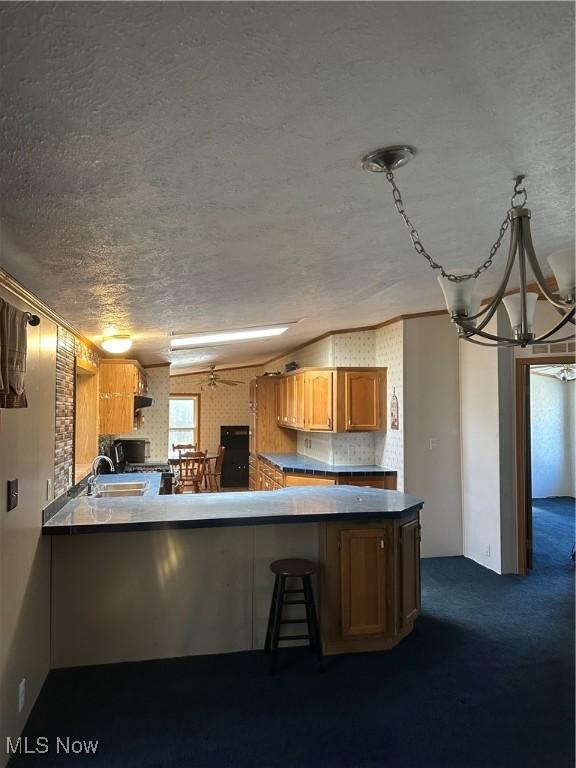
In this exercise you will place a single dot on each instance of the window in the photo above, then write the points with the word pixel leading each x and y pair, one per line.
pixel 183 422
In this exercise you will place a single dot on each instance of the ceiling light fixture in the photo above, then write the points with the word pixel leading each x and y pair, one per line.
pixel 116 343
pixel 458 286
pixel 227 337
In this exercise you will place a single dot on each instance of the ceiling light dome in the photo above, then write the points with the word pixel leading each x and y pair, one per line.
pixel 116 343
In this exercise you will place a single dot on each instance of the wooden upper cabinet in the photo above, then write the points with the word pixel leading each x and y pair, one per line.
pixel 332 400
pixel 409 572
pixel 319 387
pixel 266 398
pixel 366 581
pixel 120 381
pixel 289 402
pixel 363 401
pixel 299 414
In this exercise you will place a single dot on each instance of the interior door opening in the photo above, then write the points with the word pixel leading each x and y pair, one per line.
pixel 546 473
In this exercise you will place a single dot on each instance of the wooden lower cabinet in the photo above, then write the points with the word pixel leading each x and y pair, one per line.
pixel 409 552
pixel 369 584
pixel 293 480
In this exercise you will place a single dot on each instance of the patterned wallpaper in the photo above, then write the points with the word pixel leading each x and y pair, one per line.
pixel 320 354
pixel 221 406
pixel 354 349
pixel 389 352
pixel 155 426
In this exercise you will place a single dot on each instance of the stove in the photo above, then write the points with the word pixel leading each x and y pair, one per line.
pixel 149 466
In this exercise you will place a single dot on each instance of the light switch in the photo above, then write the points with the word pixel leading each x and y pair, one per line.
pixel 433 443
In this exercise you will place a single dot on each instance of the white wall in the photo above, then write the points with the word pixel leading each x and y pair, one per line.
pixel 551 436
pixel 26 453
pixel 432 431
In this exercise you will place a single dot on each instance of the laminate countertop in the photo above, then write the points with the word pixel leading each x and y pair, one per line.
pixel 87 514
pixel 297 463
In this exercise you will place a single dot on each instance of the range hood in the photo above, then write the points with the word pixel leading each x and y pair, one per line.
pixel 142 402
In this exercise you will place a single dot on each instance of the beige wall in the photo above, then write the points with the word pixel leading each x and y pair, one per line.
pixel 432 431
pixel 161 594
pixel 481 453
pixel 221 406
pixel 26 453
pixel 155 426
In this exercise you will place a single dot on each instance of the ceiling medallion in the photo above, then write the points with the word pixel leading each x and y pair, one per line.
pixel 462 300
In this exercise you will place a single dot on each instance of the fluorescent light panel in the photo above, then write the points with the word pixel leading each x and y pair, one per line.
pixel 227 337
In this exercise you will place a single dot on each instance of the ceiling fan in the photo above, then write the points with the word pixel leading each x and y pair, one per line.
pixel 214 380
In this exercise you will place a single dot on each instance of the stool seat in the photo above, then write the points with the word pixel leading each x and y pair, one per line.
pixel 293 566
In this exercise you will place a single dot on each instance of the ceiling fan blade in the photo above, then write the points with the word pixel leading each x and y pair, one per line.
pixel 228 383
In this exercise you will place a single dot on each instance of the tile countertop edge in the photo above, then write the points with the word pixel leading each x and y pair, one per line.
pixel 296 463
pixel 295 505
pixel 238 522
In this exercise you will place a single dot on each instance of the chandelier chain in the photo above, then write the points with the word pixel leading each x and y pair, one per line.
pixel 419 248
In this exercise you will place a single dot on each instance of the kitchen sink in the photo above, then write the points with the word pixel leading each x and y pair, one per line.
pixel 105 493
pixel 134 486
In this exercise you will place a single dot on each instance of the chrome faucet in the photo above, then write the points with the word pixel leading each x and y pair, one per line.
pixel 95 465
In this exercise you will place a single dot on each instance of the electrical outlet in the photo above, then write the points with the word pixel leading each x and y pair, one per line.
pixel 487 550
pixel 433 443
pixel 22 694
pixel 48 490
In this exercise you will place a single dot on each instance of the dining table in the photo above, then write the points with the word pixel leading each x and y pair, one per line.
pixel 175 462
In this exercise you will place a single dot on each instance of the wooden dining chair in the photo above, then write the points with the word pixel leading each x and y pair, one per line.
pixel 191 471
pixel 181 448
pixel 214 471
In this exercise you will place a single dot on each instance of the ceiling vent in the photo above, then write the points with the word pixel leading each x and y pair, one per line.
pixel 554 348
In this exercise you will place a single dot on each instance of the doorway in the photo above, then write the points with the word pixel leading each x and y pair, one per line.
pixel 544 456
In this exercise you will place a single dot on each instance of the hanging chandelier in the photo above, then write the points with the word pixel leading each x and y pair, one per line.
pixel 463 301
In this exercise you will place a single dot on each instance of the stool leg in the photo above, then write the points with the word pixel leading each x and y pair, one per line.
pixel 271 615
pixel 313 629
pixel 277 617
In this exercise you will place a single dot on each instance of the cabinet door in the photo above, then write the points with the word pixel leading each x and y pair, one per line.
pixel 367 581
pixel 298 395
pixel 363 401
pixel 289 403
pixel 280 390
pixel 409 571
pixel 319 393
pixel 116 398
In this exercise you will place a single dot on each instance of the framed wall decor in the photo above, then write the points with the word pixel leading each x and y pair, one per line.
pixel 394 411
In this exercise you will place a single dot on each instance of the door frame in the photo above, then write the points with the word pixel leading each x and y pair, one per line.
pixel 523 453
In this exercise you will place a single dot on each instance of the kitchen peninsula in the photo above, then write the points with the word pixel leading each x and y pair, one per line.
pixel 211 586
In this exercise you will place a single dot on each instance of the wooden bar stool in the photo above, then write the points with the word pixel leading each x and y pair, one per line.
pixel 290 569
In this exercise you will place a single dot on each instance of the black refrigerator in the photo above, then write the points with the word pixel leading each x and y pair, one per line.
pixel 235 464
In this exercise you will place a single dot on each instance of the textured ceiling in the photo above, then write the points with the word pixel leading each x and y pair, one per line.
pixel 194 166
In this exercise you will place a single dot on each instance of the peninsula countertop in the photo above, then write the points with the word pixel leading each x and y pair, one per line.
pixel 298 463
pixel 88 514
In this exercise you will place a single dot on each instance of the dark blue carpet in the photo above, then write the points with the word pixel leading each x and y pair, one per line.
pixel 485 681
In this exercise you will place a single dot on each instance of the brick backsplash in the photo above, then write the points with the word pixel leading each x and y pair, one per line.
pixel 68 348
pixel 64 444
